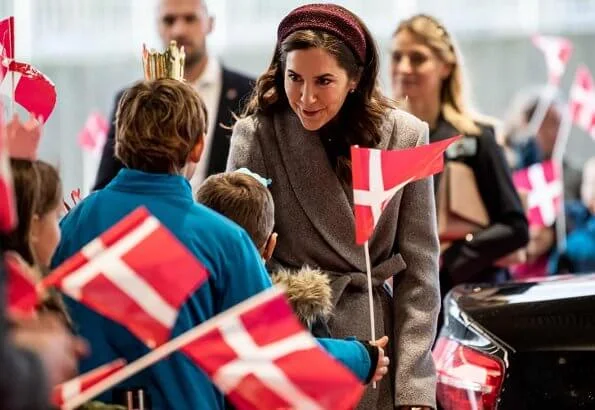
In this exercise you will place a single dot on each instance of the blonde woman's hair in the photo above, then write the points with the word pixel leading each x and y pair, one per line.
pixel 431 33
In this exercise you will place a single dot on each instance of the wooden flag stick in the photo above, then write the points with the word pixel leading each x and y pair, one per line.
pixel 558 158
pixel 545 100
pixel 370 296
pixel 168 348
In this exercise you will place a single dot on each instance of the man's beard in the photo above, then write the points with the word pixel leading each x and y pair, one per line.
pixel 193 59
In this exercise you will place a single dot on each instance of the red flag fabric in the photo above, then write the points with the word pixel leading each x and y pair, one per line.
pixel 7 37
pixel 582 100
pixel 8 214
pixel 262 358
pixel 543 184
pixel 32 89
pixel 378 175
pixel 70 389
pixel 22 294
pixel 136 273
pixel 557 52
pixel 93 135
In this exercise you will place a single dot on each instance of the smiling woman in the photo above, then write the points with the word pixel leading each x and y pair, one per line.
pixel 318 97
pixel 316 86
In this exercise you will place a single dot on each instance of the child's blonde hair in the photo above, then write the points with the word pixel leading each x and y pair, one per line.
pixel 244 200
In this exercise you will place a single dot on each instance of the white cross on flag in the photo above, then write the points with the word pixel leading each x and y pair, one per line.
pixel 93 135
pixel 73 387
pixel 557 52
pixel 543 184
pixel 582 100
pixel 262 358
pixel 136 273
pixel 379 174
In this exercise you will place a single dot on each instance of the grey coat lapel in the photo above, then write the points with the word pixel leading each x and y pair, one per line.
pixel 333 219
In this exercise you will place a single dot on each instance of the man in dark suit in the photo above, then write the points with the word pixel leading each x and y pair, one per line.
pixel 188 23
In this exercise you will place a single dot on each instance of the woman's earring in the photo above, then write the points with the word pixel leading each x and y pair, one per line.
pixel 352 91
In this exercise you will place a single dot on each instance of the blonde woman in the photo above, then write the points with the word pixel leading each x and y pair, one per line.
pixel 426 68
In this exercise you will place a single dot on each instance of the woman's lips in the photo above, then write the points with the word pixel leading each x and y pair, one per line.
pixel 310 113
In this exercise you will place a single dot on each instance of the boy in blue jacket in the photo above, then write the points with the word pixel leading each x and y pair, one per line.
pixel 160 129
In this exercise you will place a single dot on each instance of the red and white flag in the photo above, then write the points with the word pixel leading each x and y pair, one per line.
pixel 73 387
pixel 93 135
pixel 7 37
pixel 543 185
pixel 557 52
pixel 582 100
pixel 137 274
pixel 32 89
pixel 22 293
pixel 8 214
pixel 378 175
pixel 261 357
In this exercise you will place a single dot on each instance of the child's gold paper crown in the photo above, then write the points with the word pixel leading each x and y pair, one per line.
pixel 169 64
pixel 23 138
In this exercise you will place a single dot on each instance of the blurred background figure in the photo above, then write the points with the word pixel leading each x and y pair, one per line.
pixel 525 150
pixel 427 79
pixel 579 256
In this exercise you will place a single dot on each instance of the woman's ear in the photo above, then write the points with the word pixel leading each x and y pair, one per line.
pixel 354 82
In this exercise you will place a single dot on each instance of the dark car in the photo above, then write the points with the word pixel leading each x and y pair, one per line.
pixel 522 345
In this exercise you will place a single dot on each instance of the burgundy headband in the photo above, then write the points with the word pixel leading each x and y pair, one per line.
pixel 330 18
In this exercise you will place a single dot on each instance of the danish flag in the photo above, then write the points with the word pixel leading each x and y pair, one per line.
pixel 7 37
pixel 378 175
pixel 557 52
pixel 582 100
pixel 66 391
pixel 8 214
pixel 543 184
pixel 22 294
pixel 261 357
pixel 32 89
pixel 94 133
pixel 137 274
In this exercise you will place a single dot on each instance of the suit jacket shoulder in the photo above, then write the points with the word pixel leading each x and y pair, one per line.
pixel 241 82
